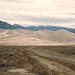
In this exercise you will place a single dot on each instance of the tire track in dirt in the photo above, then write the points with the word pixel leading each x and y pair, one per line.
pixel 55 67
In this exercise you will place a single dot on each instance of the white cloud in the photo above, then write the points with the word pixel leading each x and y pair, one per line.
pixel 33 12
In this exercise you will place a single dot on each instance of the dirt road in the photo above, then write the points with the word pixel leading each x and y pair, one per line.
pixel 35 60
pixel 61 65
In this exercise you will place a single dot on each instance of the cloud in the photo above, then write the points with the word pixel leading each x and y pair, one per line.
pixel 72 25
pixel 49 19
pixel 10 0
pixel 34 12
pixel 71 13
pixel 18 1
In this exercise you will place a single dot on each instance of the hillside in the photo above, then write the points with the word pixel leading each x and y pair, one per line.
pixel 5 25
pixel 41 37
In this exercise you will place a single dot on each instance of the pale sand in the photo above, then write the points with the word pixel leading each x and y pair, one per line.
pixel 42 37
pixel 21 71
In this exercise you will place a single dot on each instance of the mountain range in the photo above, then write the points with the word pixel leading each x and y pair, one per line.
pixel 5 25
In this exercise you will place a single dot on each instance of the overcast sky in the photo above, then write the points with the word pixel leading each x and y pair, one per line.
pixel 38 12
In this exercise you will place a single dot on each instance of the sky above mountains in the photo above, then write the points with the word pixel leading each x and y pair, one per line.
pixel 38 12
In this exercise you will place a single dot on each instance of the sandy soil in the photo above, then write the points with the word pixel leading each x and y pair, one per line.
pixel 37 60
pixel 20 37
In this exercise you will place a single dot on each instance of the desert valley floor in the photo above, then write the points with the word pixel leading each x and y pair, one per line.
pixel 37 60
pixel 37 37
pixel 43 52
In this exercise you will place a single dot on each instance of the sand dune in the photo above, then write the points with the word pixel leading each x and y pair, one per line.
pixel 41 37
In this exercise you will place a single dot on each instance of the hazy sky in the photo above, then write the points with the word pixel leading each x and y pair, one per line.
pixel 38 12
